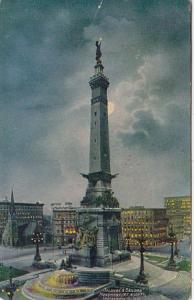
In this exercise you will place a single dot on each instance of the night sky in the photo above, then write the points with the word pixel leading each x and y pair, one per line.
pixel 47 55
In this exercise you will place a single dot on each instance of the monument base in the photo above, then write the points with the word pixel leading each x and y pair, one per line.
pixel 99 236
pixel 88 258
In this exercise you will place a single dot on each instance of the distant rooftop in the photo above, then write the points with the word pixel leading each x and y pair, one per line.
pixel 21 203
pixel 64 208
pixel 178 197
pixel 142 208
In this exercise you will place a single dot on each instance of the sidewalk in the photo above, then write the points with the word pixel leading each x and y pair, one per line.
pixel 130 269
pixel 25 277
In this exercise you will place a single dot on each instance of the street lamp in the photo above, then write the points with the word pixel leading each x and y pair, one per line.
pixel 141 278
pixel 171 240
pixel 176 250
pixel 11 288
pixel 37 238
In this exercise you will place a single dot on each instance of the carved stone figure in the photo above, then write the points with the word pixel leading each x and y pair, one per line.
pixel 98 52
pixel 87 237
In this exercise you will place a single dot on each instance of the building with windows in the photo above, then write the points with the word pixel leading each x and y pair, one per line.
pixel 178 210
pixel 64 220
pixel 151 222
pixel 24 214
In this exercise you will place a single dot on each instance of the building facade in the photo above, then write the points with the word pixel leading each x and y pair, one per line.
pixel 25 215
pixel 64 225
pixel 178 211
pixel 151 222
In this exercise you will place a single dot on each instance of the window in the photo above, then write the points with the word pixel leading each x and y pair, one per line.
pixel 95 113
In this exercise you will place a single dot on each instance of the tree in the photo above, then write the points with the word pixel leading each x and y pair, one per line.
pixel 106 200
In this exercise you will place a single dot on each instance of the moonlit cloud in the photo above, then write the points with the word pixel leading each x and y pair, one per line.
pixel 47 52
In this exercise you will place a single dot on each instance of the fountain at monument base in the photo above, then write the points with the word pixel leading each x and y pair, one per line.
pixel 60 284
pixel 67 282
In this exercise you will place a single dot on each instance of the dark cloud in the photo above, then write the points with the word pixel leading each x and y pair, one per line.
pixel 47 55
pixel 156 136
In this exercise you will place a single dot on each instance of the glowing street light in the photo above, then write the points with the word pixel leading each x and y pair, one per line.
pixel 171 239
pixel 141 278
pixel 11 288
pixel 37 238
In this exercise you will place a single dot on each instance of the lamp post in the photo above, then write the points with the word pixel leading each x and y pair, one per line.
pixel 37 238
pixel 11 288
pixel 176 250
pixel 171 239
pixel 141 278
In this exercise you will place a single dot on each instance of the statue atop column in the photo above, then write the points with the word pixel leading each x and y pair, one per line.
pixel 98 52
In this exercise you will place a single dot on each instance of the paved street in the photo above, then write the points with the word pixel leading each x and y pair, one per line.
pixel 170 284
pixel 177 289
pixel 156 275
pixel 164 284
pixel 8 252
pixel 24 261
pixel 184 248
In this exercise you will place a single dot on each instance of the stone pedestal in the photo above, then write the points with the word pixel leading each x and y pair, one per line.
pixel 107 240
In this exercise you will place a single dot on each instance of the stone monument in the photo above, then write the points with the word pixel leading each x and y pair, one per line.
pixel 99 220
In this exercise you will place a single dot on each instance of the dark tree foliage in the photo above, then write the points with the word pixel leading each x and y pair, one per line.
pixel 107 200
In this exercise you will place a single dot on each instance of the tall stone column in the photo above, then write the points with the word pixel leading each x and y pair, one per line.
pixel 99 177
